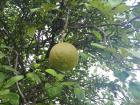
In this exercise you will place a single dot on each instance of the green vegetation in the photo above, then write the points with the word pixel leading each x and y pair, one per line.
pixel 105 33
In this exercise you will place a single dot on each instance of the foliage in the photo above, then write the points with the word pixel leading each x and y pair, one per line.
pixel 105 32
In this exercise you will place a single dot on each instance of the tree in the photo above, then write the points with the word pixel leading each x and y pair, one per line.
pixel 105 32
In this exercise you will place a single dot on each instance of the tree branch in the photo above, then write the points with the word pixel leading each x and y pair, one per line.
pixel 17 84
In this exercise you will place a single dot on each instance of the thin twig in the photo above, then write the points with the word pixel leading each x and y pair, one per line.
pixel 17 84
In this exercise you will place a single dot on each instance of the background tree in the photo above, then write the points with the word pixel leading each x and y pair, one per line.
pixel 105 32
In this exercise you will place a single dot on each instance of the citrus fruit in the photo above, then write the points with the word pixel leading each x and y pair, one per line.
pixel 63 56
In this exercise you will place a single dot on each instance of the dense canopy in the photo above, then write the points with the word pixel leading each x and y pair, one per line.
pixel 106 34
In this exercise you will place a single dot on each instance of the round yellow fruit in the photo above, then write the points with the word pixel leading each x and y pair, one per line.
pixel 63 56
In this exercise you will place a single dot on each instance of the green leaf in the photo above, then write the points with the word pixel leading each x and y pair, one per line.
pixel 53 90
pixel 4 46
pixel 79 93
pixel 34 77
pixel 31 31
pixel 47 6
pixel 124 52
pixel 121 8
pixel 41 75
pixel 111 50
pixel 52 72
pixel 60 77
pixel 84 55
pixel 13 98
pixel 68 83
pixel 98 35
pixel 104 7
pixel 124 39
pixel 36 65
pixel 51 103
pixel 34 9
pixel 2 77
pixel 98 45
pixel 8 68
pixel 13 80
pixel 2 55
pixel 4 91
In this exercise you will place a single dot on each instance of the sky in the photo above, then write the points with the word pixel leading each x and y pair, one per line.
pixel 132 2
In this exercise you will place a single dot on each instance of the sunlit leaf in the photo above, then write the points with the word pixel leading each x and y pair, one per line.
pixel 98 35
pixel 34 77
pixel 60 77
pixel 47 6
pixel 52 72
pixel 31 31
pixel 4 91
pixel 98 45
